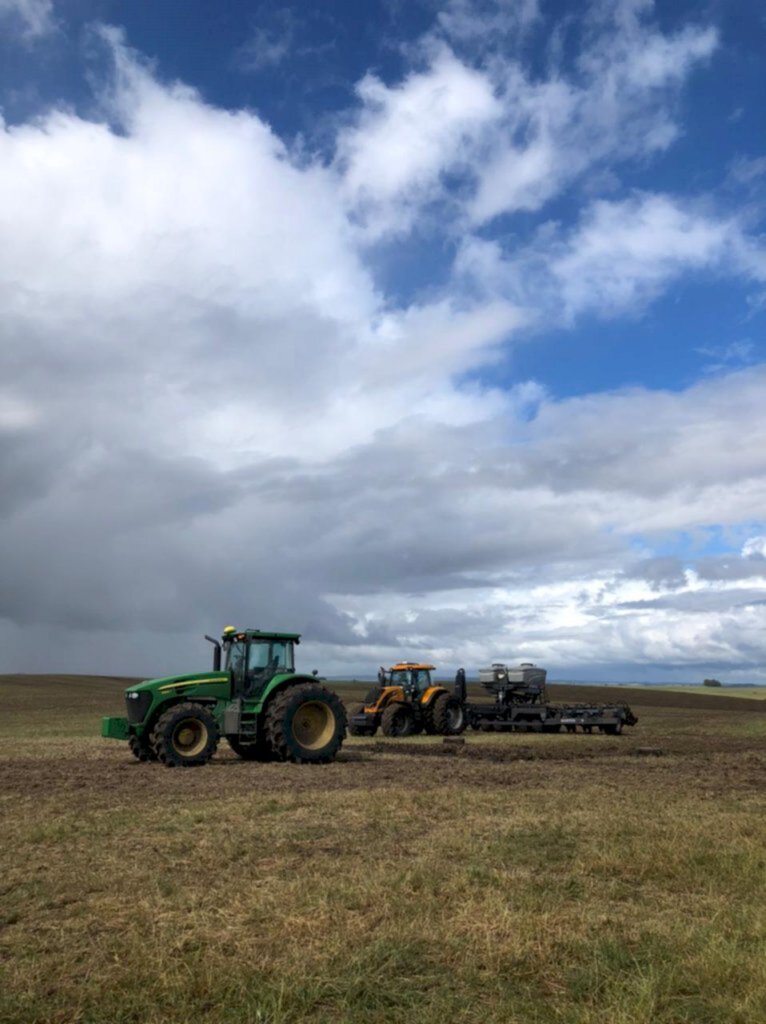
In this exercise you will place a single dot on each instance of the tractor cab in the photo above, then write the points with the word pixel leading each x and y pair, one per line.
pixel 253 658
pixel 413 677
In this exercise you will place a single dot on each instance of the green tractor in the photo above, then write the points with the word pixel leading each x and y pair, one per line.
pixel 264 709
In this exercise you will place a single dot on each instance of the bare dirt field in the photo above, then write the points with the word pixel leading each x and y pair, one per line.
pixel 521 878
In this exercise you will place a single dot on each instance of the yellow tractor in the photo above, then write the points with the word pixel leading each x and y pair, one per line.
pixel 406 702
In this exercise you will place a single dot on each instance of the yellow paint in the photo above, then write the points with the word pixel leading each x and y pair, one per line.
pixel 389 693
pixel 432 691
pixel 193 682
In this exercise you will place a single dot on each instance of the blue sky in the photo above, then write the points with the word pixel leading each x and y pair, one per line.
pixel 447 318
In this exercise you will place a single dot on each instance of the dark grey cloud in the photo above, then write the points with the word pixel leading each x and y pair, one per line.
pixel 696 601
pixel 728 567
pixel 659 572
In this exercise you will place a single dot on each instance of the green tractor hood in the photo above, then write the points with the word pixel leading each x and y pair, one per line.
pixel 193 682
pixel 145 699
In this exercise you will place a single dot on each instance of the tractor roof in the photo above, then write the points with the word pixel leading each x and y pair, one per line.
pixel 259 634
pixel 403 665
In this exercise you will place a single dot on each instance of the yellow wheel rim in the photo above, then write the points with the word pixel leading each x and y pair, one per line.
pixel 189 737
pixel 313 725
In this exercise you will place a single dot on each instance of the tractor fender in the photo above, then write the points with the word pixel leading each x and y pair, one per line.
pixel 431 694
pixel 387 695
pixel 281 683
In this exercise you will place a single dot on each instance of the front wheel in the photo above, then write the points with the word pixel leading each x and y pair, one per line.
pixel 185 736
pixel 140 749
pixel 398 720
pixel 306 723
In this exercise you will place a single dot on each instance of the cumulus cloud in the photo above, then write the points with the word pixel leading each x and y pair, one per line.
pixel 213 410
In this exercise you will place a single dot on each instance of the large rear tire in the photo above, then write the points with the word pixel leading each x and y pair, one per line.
pixel 445 716
pixel 185 736
pixel 398 720
pixel 306 723
pixel 457 719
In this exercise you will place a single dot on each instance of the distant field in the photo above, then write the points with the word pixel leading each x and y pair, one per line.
pixel 748 692
pixel 526 880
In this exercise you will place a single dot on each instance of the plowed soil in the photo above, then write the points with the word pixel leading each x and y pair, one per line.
pixel 705 745
pixel 110 777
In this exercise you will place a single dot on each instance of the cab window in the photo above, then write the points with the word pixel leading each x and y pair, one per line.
pixel 236 656
pixel 282 656
pixel 421 679
pixel 268 658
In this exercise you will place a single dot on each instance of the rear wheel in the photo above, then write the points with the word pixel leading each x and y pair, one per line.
pixel 185 736
pixel 398 720
pixel 306 724
pixel 457 720
pixel 445 716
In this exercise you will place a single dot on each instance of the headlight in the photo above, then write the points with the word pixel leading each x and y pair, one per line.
pixel 137 704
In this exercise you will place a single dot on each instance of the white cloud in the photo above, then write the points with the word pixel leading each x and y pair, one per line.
pixel 625 252
pixel 755 547
pixel 34 17
pixel 619 257
pixel 270 41
pixel 616 107
pixel 513 141
pixel 410 134
pixel 469 21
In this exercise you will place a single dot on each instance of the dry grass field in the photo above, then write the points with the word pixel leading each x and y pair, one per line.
pixel 525 880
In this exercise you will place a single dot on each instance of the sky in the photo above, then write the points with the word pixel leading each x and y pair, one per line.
pixel 427 330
